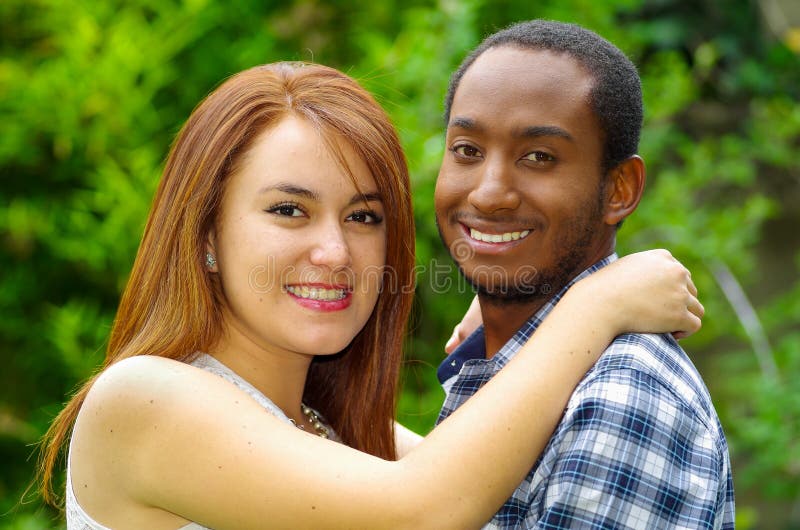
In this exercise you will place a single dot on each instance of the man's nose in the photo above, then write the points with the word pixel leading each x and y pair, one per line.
pixel 495 190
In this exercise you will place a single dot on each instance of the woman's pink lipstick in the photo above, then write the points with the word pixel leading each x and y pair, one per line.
pixel 321 297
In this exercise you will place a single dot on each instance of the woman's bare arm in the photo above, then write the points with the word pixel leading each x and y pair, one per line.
pixel 405 439
pixel 173 437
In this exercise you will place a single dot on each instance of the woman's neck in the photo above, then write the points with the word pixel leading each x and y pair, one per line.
pixel 279 375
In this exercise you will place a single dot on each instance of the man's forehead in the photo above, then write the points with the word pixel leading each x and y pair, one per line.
pixel 524 90
pixel 506 68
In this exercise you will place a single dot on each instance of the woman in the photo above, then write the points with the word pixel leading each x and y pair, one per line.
pixel 270 290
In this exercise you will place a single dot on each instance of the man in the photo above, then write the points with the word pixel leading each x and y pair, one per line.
pixel 540 169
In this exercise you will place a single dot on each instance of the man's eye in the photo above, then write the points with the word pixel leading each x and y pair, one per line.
pixel 466 150
pixel 365 217
pixel 286 210
pixel 539 156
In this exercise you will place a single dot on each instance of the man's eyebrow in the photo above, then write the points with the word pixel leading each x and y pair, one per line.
pixel 536 131
pixel 365 197
pixel 463 123
pixel 291 189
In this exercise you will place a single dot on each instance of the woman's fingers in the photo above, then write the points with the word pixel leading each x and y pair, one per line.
pixel 690 285
pixel 695 307
pixel 694 310
pixel 692 319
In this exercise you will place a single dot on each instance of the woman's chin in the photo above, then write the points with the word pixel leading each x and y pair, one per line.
pixel 324 347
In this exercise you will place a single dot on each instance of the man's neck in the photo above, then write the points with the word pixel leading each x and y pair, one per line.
pixel 501 322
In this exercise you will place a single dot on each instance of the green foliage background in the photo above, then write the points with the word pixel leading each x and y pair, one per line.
pixel 92 93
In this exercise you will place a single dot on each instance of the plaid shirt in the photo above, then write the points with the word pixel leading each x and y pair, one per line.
pixel 639 446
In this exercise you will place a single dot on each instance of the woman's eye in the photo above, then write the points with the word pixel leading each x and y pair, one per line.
pixel 539 156
pixel 287 210
pixel 365 217
pixel 466 150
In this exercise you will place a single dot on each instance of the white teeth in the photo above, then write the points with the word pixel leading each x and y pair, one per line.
pixel 497 238
pixel 317 293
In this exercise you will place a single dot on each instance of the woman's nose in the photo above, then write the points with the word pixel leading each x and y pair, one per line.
pixel 331 248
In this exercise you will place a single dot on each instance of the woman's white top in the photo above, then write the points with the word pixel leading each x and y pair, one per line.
pixel 78 519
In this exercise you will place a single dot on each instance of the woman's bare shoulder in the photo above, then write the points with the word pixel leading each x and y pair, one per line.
pixel 128 383
pixel 127 396
pixel 138 390
pixel 129 445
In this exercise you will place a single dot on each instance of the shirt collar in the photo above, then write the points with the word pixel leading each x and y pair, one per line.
pixel 474 347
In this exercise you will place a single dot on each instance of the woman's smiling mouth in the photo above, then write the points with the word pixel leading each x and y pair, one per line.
pixel 319 297
pixel 316 293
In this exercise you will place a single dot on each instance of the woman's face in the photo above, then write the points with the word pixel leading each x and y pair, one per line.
pixel 300 251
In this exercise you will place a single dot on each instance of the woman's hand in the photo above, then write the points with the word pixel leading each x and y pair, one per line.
pixel 646 292
pixel 651 291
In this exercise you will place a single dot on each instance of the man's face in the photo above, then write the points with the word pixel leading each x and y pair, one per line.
pixel 519 197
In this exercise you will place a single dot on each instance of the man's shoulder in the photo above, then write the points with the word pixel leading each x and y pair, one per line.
pixel 653 367
pixel 655 355
pixel 641 421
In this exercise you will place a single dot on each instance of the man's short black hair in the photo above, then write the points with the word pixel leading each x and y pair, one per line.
pixel 615 97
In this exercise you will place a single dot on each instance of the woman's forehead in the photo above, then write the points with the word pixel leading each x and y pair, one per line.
pixel 298 152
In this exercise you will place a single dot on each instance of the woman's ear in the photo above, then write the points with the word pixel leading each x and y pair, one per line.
pixel 211 252
pixel 623 190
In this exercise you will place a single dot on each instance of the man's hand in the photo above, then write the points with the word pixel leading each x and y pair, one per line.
pixel 469 323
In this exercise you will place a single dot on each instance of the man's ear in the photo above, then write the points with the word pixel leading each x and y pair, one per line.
pixel 623 190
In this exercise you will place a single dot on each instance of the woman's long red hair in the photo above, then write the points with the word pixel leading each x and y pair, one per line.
pixel 171 304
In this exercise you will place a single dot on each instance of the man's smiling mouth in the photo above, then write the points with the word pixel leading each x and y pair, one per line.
pixel 497 238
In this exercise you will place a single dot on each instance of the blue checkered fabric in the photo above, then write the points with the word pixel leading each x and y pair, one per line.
pixel 639 446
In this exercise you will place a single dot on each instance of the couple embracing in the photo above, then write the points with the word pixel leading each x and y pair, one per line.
pixel 222 404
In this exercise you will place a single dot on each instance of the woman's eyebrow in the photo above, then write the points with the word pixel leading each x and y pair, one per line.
pixel 294 189
pixel 365 197
pixel 291 189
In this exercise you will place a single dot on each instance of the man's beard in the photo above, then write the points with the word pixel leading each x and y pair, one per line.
pixel 494 285
pixel 538 285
